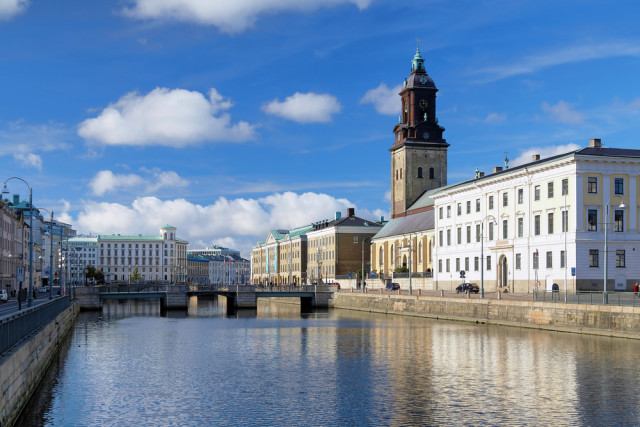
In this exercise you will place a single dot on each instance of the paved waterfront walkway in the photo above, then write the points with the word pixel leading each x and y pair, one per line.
pixel 438 293
pixel 594 298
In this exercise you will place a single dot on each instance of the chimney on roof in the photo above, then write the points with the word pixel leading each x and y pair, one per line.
pixel 595 143
pixel 480 174
pixel 535 157
pixel 497 169
pixel 351 212
pixel 338 215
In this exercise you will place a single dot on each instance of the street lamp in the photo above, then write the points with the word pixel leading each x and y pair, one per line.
pixel 482 252
pixel 605 297
pixel 50 254
pixel 5 190
pixel 363 274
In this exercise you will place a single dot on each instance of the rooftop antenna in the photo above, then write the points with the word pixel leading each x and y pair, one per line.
pixel 506 160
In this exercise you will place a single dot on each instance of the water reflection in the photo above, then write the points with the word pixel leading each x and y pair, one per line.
pixel 275 365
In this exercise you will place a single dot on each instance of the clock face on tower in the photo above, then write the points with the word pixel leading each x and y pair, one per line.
pixel 423 104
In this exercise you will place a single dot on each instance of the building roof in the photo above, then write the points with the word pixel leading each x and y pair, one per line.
pixel 408 224
pixel 114 237
pixel 587 151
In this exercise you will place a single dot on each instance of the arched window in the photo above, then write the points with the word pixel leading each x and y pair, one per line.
pixel 420 251
pixel 419 172
pixel 404 261
pixel 392 261
pixel 432 173
pixel 381 257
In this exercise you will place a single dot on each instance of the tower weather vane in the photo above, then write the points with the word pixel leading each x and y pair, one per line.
pixel 418 43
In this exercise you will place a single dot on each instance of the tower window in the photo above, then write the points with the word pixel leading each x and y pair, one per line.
pixel 400 173
pixel 432 173
pixel 419 172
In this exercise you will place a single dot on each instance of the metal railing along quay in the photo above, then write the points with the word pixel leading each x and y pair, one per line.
pixel 589 297
pixel 15 327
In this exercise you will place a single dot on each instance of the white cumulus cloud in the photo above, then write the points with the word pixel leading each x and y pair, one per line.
pixel 305 107
pixel 563 112
pixel 10 8
pixel 229 16
pixel 545 152
pixel 168 117
pixel 240 223
pixel 106 181
pixel 29 159
pixel 384 99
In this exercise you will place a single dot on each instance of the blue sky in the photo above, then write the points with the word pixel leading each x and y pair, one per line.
pixel 228 119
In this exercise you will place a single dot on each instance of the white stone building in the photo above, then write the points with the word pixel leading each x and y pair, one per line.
pixel 157 258
pixel 535 224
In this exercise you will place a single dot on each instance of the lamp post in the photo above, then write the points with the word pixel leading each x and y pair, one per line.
pixel 363 273
pixel 482 253
pixel 50 254
pixel 6 191
pixel 565 223
pixel 605 297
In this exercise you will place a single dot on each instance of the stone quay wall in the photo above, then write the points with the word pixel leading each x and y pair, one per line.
pixel 608 320
pixel 22 368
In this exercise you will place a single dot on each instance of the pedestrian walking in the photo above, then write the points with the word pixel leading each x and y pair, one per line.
pixel 635 289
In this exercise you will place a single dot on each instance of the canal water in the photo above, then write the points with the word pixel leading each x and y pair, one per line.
pixel 130 365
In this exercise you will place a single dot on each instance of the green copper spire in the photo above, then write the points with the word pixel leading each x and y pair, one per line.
pixel 418 62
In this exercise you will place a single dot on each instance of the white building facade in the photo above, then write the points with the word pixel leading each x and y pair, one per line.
pixel 156 258
pixel 541 223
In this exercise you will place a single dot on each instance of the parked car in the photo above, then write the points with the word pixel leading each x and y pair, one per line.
pixel 44 289
pixel 472 287
pixel 392 286
pixel 4 296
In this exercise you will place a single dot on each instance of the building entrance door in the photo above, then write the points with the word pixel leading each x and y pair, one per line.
pixel 503 272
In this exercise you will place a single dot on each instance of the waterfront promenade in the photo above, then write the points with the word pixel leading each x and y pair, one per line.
pixel 578 315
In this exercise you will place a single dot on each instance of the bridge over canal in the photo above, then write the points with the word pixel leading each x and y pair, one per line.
pixel 177 296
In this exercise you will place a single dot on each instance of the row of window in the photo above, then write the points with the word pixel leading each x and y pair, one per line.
pixel 592 185
pixel 592 220
pixel 505 229
pixel 518 262
pixel 124 245
pixel 505 199
pixel 432 173
pixel 594 257
pixel 316 243
pixel 594 261
pixel 327 255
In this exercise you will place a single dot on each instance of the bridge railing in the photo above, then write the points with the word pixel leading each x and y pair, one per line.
pixel 15 327
pixel 131 289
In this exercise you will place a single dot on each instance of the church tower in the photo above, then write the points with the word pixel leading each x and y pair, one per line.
pixel 418 154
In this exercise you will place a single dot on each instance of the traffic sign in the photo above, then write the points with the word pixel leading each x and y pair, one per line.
pixel 573 271
pixel 462 274
pixel 20 274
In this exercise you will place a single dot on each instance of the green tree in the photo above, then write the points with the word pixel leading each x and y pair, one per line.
pixel 91 272
pixel 401 270
pixel 135 276
pixel 99 276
